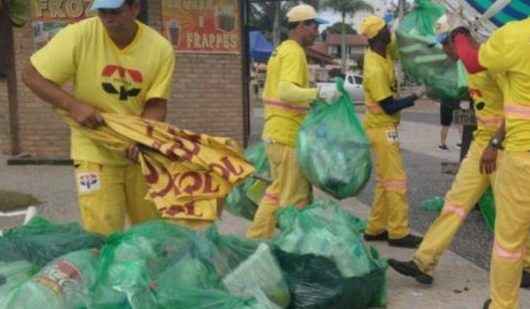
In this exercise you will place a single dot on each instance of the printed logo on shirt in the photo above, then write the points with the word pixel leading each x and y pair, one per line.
pixel 121 81
pixel 392 136
pixel 88 182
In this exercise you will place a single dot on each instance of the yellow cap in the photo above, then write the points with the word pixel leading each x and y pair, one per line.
pixel 371 26
pixel 303 12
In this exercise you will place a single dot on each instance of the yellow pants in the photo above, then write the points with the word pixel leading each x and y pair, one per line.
pixel 466 190
pixel 512 224
pixel 390 205
pixel 107 194
pixel 289 187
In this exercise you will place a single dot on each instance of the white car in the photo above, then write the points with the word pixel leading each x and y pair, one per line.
pixel 352 83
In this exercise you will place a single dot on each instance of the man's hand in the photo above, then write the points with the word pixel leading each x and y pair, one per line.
pixel 85 115
pixel 488 161
pixel 133 152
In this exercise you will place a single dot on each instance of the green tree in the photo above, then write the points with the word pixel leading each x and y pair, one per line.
pixel 337 28
pixel 346 8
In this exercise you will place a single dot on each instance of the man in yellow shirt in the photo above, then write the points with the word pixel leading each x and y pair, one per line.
pixel 506 52
pixel 475 175
pixel 286 98
pixel 116 65
pixel 388 220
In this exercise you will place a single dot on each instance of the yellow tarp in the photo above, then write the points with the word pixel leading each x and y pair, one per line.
pixel 188 174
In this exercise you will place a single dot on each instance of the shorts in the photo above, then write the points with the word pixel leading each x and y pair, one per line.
pixel 446 112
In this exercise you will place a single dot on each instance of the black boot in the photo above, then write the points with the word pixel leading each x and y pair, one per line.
pixel 410 269
pixel 487 304
pixel 379 237
pixel 525 280
pixel 409 241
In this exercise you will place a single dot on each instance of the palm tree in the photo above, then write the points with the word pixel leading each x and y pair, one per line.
pixel 346 8
pixel 264 14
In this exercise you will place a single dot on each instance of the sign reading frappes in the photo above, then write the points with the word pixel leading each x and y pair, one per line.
pixel 202 26
pixel 50 16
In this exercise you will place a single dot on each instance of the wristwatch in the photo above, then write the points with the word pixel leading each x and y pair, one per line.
pixel 496 143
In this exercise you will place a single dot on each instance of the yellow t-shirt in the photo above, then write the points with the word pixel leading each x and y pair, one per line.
pixel 106 77
pixel 508 51
pixel 379 83
pixel 487 98
pixel 283 119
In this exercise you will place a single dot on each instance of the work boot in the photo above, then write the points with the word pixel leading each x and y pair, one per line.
pixel 487 304
pixel 379 237
pixel 410 269
pixel 525 280
pixel 409 241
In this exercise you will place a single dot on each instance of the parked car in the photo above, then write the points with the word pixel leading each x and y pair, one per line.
pixel 353 83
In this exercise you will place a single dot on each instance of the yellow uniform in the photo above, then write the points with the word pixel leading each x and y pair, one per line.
pixel 507 52
pixel 470 183
pixel 282 123
pixel 111 80
pixel 390 205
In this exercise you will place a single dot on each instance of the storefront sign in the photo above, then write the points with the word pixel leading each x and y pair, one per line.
pixel 202 26
pixel 50 16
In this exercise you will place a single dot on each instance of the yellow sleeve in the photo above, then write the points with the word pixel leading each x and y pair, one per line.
pixel 161 86
pixel 289 92
pixel 500 52
pixel 376 83
pixel 393 48
pixel 293 67
pixel 56 61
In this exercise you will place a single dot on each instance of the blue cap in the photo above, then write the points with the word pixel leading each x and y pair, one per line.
pixel 106 4
pixel 320 21
pixel 442 38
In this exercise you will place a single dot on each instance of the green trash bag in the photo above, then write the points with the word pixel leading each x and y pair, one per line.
pixel 140 265
pixel 325 260
pixel 62 284
pixel 332 148
pixel 487 208
pixel 433 204
pixel 243 201
pixel 41 241
pixel 12 276
pixel 423 59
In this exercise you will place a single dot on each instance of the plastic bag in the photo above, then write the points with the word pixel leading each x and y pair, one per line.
pixel 145 267
pixel 243 201
pixel 423 59
pixel 332 148
pixel 433 204
pixel 325 260
pixel 41 241
pixel 487 208
pixel 12 276
pixel 64 283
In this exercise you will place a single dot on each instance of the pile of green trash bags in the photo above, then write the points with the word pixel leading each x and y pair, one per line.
pixel 244 199
pixel 44 263
pixel 317 261
pixel 326 262
pixel 332 148
pixel 152 265
pixel 423 59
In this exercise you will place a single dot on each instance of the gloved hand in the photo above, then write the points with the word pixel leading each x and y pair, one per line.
pixel 328 95
pixel 420 92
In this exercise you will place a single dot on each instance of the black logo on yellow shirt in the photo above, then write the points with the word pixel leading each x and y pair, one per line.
pixel 120 81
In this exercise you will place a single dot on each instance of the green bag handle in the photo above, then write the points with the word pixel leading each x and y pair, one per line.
pixel 339 82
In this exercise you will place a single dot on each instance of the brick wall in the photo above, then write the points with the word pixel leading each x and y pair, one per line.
pixel 206 97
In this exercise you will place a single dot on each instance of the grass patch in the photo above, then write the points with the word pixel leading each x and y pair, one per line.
pixel 11 200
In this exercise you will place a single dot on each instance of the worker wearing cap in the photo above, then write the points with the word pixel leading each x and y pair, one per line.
pixel 475 175
pixel 117 65
pixel 286 97
pixel 506 52
pixel 388 220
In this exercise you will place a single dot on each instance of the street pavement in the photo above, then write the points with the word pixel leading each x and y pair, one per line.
pixel 461 280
